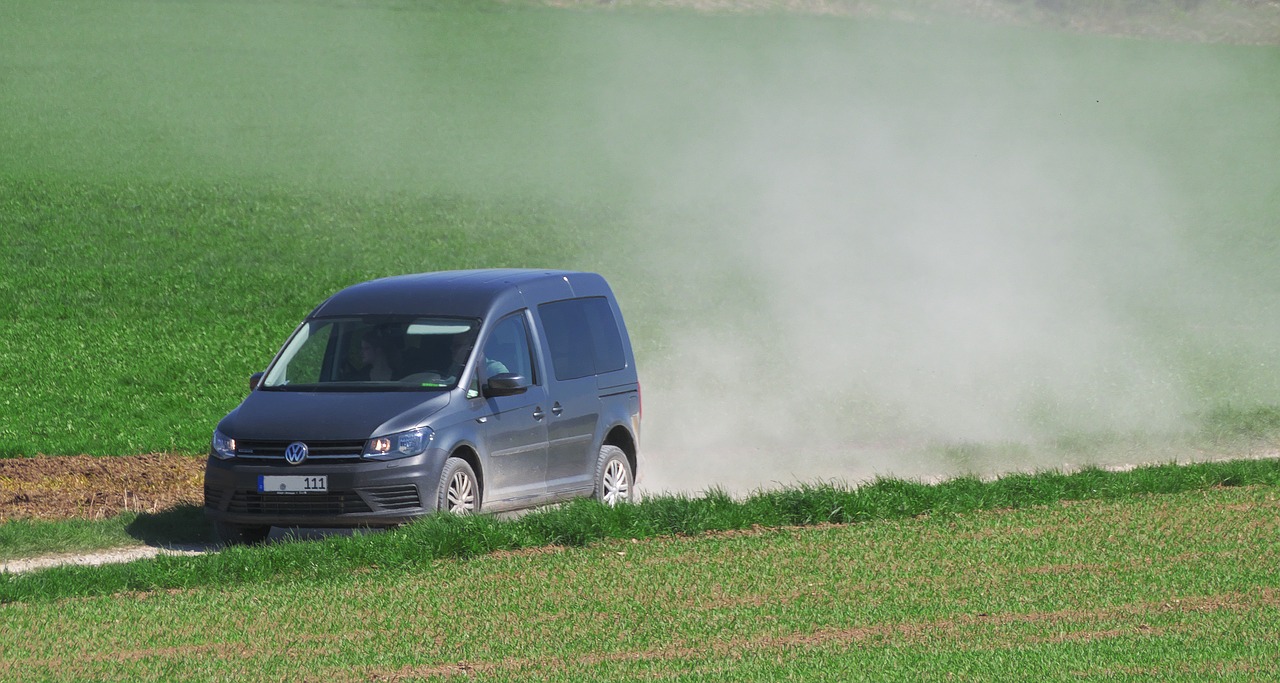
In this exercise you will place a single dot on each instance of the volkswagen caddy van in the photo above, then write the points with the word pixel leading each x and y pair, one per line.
pixel 450 392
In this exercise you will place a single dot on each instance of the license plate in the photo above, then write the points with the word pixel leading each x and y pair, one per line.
pixel 293 484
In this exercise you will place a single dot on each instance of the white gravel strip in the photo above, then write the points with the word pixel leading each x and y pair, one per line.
pixel 118 555
pixel 97 558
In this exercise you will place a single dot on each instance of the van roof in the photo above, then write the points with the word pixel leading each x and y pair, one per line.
pixel 462 293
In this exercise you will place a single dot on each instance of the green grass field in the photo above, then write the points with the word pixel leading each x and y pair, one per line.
pixel 927 247
pixel 1166 587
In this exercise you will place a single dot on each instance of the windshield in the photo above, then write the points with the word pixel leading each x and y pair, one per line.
pixel 382 353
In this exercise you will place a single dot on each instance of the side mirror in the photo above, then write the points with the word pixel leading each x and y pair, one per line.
pixel 506 384
pixel 254 380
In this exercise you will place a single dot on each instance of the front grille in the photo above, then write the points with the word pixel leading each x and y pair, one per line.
pixel 213 498
pixel 272 452
pixel 393 497
pixel 332 503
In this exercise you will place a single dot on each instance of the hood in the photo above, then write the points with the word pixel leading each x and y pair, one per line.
pixel 329 416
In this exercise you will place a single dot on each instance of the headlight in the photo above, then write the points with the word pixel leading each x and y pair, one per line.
pixel 401 445
pixel 224 447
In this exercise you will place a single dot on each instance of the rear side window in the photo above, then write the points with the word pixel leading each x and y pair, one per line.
pixel 583 337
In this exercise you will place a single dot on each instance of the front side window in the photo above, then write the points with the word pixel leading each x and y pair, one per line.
pixel 375 353
pixel 507 349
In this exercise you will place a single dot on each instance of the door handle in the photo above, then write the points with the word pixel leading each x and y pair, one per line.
pixel 556 409
pixel 538 414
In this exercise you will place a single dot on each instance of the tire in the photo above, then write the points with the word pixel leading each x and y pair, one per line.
pixel 241 534
pixel 615 482
pixel 459 491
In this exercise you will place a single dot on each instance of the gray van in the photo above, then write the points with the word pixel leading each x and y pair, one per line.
pixel 455 391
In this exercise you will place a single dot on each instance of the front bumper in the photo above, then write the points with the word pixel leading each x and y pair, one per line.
pixel 361 494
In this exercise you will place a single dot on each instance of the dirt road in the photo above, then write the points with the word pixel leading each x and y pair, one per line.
pixel 88 487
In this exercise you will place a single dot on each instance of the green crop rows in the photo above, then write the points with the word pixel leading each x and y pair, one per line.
pixel 1177 586
pixel 181 182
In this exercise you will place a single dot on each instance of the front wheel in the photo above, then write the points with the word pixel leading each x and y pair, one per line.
pixel 615 482
pixel 459 489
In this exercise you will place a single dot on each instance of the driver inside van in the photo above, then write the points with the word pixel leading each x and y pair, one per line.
pixel 460 348
pixel 380 355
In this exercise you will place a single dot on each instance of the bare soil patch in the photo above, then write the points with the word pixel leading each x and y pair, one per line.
pixel 97 487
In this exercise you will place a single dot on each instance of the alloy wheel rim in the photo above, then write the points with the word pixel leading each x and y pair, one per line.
pixel 617 486
pixel 461 494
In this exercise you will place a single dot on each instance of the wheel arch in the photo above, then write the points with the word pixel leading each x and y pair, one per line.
pixel 472 458
pixel 622 438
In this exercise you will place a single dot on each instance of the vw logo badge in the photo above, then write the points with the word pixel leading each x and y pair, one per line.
pixel 295 453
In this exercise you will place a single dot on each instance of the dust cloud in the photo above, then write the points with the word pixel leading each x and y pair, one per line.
pixel 873 249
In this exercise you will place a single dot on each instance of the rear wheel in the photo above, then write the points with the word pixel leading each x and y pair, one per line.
pixel 459 489
pixel 615 482
pixel 241 534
